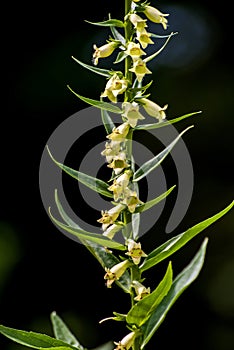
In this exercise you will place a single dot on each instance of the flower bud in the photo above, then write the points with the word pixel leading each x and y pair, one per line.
pixel 116 272
pixel 131 113
pixel 112 230
pixel 153 109
pixel 104 51
pixel 126 343
pixel 156 16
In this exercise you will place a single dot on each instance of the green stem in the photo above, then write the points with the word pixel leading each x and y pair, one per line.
pixel 128 34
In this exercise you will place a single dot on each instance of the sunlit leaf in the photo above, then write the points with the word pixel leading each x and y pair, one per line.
pixel 175 243
pixel 100 71
pixel 181 282
pixel 153 163
pixel 91 182
pixel 108 23
pixel 151 57
pixel 144 308
pixel 107 121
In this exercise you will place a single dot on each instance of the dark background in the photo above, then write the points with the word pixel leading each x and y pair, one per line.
pixel 41 270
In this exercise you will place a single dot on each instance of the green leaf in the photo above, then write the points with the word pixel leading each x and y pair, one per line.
pixel 175 243
pixel 118 36
pixel 62 332
pixel 151 57
pixel 144 308
pixel 151 164
pixel 100 71
pixel 99 104
pixel 103 255
pixel 154 201
pixel 91 182
pixel 120 57
pixel 108 23
pixel 164 123
pixel 182 281
pixel 87 236
pixel 107 121
pixel 34 340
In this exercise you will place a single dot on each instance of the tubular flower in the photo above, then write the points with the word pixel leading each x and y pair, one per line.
pixel 119 133
pixel 134 50
pixel 144 38
pixel 119 185
pixel 103 51
pixel 111 150
pixel 118 163
pixel 138 22
pixel 131 200
pixel 116 272
pixel 131 113
pixel 141 291
pixel 109 217
pixel 114 87
pixel 156 16
pixel 140 69
pixel 112 230
pixel 153 109
pixel 135 251
pixel 126 343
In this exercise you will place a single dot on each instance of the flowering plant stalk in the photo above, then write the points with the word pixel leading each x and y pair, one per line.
pixel 124 260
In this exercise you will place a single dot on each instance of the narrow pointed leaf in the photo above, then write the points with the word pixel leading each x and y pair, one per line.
pixel 108 23
pixel 62 332
pixel 182 281
pixel 175 243
pixel 117 36
pixel 120 57
pixel 164 123
pixel 107 121
pixel 100 71
pixel 103 255
pixel 154 201
pixel 88 236
pixel 99 104
pixel 144 308
pixel 91 182
pixel 151 164
pixel 34 340
pixel 151 57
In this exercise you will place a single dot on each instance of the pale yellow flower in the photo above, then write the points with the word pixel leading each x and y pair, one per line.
pixel 140 69
pixel 119 133
pixel 144 38
pixel 135 251
pixel 116 272
pixel 112 230
pixel 141 290
pixel 153 109
pixel 131 200
pixel 109 217
pixel 112 149
pixel 156 16
pixel 134 50
pixel 138 22
pixel 126 343
pixel 119 163
pixel 131 113
pixel 120 184
pixel 114 87
pixel 103 51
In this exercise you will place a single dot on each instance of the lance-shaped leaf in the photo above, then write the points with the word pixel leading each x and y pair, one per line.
pixel 153 163
pixel 143 309
pixel 34 340
pixel 175 243
pixel 62 332
pixel 87 236
pixel 164 123
pixel 117 36
pixel 151 57
pixel 154 201
pixel 108 23
pixel 99 104
pixel 107 121
pixel 181 282
pixel 100 71
pixel 103 256
pixel 91 182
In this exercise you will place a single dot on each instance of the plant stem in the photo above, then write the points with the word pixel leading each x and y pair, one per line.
pixel 128 34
